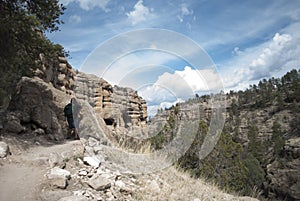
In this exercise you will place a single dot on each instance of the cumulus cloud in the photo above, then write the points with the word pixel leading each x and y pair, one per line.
pixel 89 4
pixel 270 56
pixel 139 14
pixel 171 88
pixel 265 60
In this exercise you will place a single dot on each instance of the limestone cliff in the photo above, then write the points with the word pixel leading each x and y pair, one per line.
pixel 57 72
pixel 39 101
pixel 118 106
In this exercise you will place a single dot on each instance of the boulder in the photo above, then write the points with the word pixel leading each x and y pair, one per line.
pixel 92 161
pixel 55 160
pixel 99 183
pixel 39 104
pixel 58 177
pixel 12 123
pixel 39 131
pixel 4 150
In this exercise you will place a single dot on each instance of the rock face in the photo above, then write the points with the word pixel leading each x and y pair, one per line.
pixel 37 105
pixel 119 107
pixel 284 175
pixel 284 180
pixel 58 72
pixel 12 123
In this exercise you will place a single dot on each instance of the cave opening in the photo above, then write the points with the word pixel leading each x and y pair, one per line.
pixel 109 121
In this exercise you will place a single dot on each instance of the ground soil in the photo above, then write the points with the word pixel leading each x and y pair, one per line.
pixel 22 174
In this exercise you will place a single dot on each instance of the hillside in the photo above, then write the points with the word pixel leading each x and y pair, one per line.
pixel 258 149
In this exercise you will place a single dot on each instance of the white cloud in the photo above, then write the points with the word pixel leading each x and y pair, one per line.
pixel 273 50
pixel 272 58
pixel 89 4
pixel 75 18
pixel 185 10
pixel 152 109
pixel 139 14
pixel 170 88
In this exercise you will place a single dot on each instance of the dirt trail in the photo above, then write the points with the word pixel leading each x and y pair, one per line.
pixel 19 182
pixel 23 173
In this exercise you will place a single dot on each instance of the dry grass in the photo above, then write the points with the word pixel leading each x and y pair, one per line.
pixel 172 184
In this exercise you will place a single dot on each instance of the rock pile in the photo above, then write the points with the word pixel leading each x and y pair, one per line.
pixel 83 179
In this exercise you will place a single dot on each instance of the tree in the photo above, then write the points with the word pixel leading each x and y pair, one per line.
pixel 255 146
pixel 23 24
pixel 278 141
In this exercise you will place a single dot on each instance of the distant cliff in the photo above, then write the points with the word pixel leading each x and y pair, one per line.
pixel 258 151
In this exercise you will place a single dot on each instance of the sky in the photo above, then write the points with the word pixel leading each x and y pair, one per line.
pixel 170 50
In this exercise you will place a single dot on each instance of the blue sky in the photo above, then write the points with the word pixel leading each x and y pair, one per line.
pixel 245 40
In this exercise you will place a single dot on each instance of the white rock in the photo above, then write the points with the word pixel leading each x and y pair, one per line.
pixel 80 161
pixel 56 160
pixel 39 131
pixel 62 172
pixel 4 149
pixel 120 184
pixel 98 182
pixel 79 192
pixel 58 177
pixel 92 161
pixel 93 142
pixel 82 173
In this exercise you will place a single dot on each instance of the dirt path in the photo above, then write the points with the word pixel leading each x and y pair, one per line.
pixel 20 182
pixel 23 173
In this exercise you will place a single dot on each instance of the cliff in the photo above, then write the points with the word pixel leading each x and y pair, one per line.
pixel 39 101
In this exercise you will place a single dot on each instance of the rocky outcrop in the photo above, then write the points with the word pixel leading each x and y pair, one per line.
pixel 117 106
pixel 37 107
pixel 283 175
pixel 58 72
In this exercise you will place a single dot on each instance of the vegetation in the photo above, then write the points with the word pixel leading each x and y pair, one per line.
pixel 167 133
pixel 23 24
pixel 239 163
